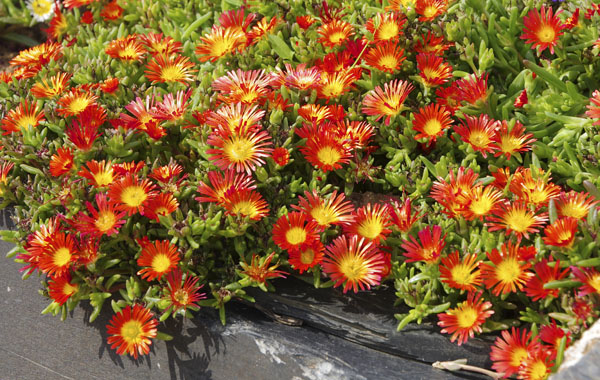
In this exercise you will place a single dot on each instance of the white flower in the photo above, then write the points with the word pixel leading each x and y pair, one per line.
pixel 41 10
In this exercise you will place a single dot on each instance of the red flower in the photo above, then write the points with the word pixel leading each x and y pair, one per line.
pixel 131 194
pixel 466 319
pixel 307 257
pixel 335 210
pixel 130 331
pixel 221 183
pixel 388 101
pixel 510 142
pixel 182 294
pixel 510 350
pixel 87 17
pixel 534 287
pixel 432 244
pixel 506 273
pixel 431 122
pixel 60 289
pixel 561 233
pixel 157 258
pixel 589 277
pixel 293 231
pixel 478 133
pixel 242 150
pixel 61 162
pixel 461 274
pixel 371 223
pixel 402 216
pixel 542 28
pixel 281 156
pixel 594 107
pixel 104 221
pixel 260 269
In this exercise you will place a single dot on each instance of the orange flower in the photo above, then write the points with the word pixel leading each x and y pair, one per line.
pixel 36 57
pixel 162 204
pixel 131 194
pixel 449 97
pixel 245 203
pixel 128 168
pixel 594 107
pixel 242 86
pixel 220 42
pixel 293 231
pixel 236 20
pixel 58 254
pixel 325 152
pixel 388 101
pixel 143 113
pixel 25 115
pixel 130 331
pixel 99 173
pixel 337 84
pixel 307 257
pixel 110 85
pixel 221 183
pixel 466 319
pixel 542 28
pixel 5 168
pixel 236 117
pixel 157 258
pixel 517 218
pixel 314 113
pixel 56 86
pixel 455 194
pixel 433 70
pixel 335 210
pixel 385 57
pixel 355 263
pixel 76 3
pixel 242 151
pixel 537 365
pixel 305 21
pixel 61 162
pixel 104 221
pixel 589 277
pixel 461 274
pixel 60 289
pixel 511 349
pixel 173 106
pixel 561 233
pixel 157 44
pixel 58 25
pixel 74 102
pixel 259 270
pixel 126 49
pixel 473 89
pixel 281 156
pixel 386 26
pixel 481 201
pixel 430 43
pixel 432 244
pixel 574 204
pixel 401 215
pixel 167 69
pixel 509 142
pixel 431 122
pixel 478 133
pixel 534 288
pixel 534 191
pixel 166 173
pixel 261 29
pixel 506 274
pixel 84 130
pixel 301 78
pixel 334 33
pixel 521 100
pixel 371 223
pixel 111 11
pixel 182 294
pixel 428 10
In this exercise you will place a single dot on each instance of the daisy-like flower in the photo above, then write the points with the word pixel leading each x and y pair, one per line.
pixel 386 56
pixel 58 254
pixel 535 191
pixel 466 319
pixel 301 78
pixel 242 151
pixel 38 56
pixel 56 86
pixel 25 115
pixel 305 21
pixel 511 349
pixel 355 134
pixel 431 245
pixel 433 70
pixel 336 84
pixel 387 102
pixel 142 111
pixel 36 244
pixel 61 162
pixel 5 168
pixel 594 107
pixel 74 102
pixel 261 29
pixel 236 117
pixel 130 168
pixel 166 173
pixel 236 20
pixel 260 269
pixel 506 273
pixel 354 263
pixel 162 204
pixel 431 122
pixel 428 10
pixel 111 11
pixel 481 201
pixel 41 10
pixel 131 330
pixel 99 174
pixel 281 156
pixel 294 231
pixel 537 365
pixel 85 129
pixel 334 33
pixel 589 277
pixel 221 183
pixel 167 69
pixel 245 203
pixel 220 42
pixel 242 86
pixel 76 3
pixel 449 97
pixel 478 132
pixel 157 258
pixel 574 204
pixel 461 274
pixel 370 223
pixel 542 28
pixel 307 257
pixel 60 289
pixel 561 233
pixel 534 288
pixel 182 294
pixel 521 100
pixel 509 142
pixel 431 43
pixel 131 194
pixel 173 106
pixel 127 49
pixel 314 113
pixel 157 44
pixel 105 221
pixel 325 152
pixel 402 216
pixel 386 26
pixel 87 17
pixel 455 193
pixel 336 62
pixel 552 335
pixel 473 89
pixel 335 210
pixel 573 21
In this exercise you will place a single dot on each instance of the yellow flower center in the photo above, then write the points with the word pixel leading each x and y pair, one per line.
pixel 538 371
pixel 239 149
pixel 353 268
pixel 323 215
pixel 388 62
pixel 508 271
pixel 221 47
pixel 509 144
pixel 69 289
pixel 574 210
pixel 370 228
pixel 128 53
pixel 172 74
pixel 461 274
pixel 307 256
pixel 103 178
pixel 594 282
pixel 430 11
pixel 131 331
pixel 333 88
pixel 41 7
pixel 162 210
pixel 295 235
pixel 432 127
pixel 546 34
pixel 26 121
pixel 328 155
pixel 106 220
pixel 78 104
pixel 479 139
pixel 466 317
pixel 518 220
pixel 481 206
pixel 134 196
pixel 336 37
pixel 62 257
pixel 244 208
pixel 387 31
pixel 182 297
pixel 517 356
pixel 161 263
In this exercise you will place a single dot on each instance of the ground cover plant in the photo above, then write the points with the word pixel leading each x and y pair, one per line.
pixel 163 156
